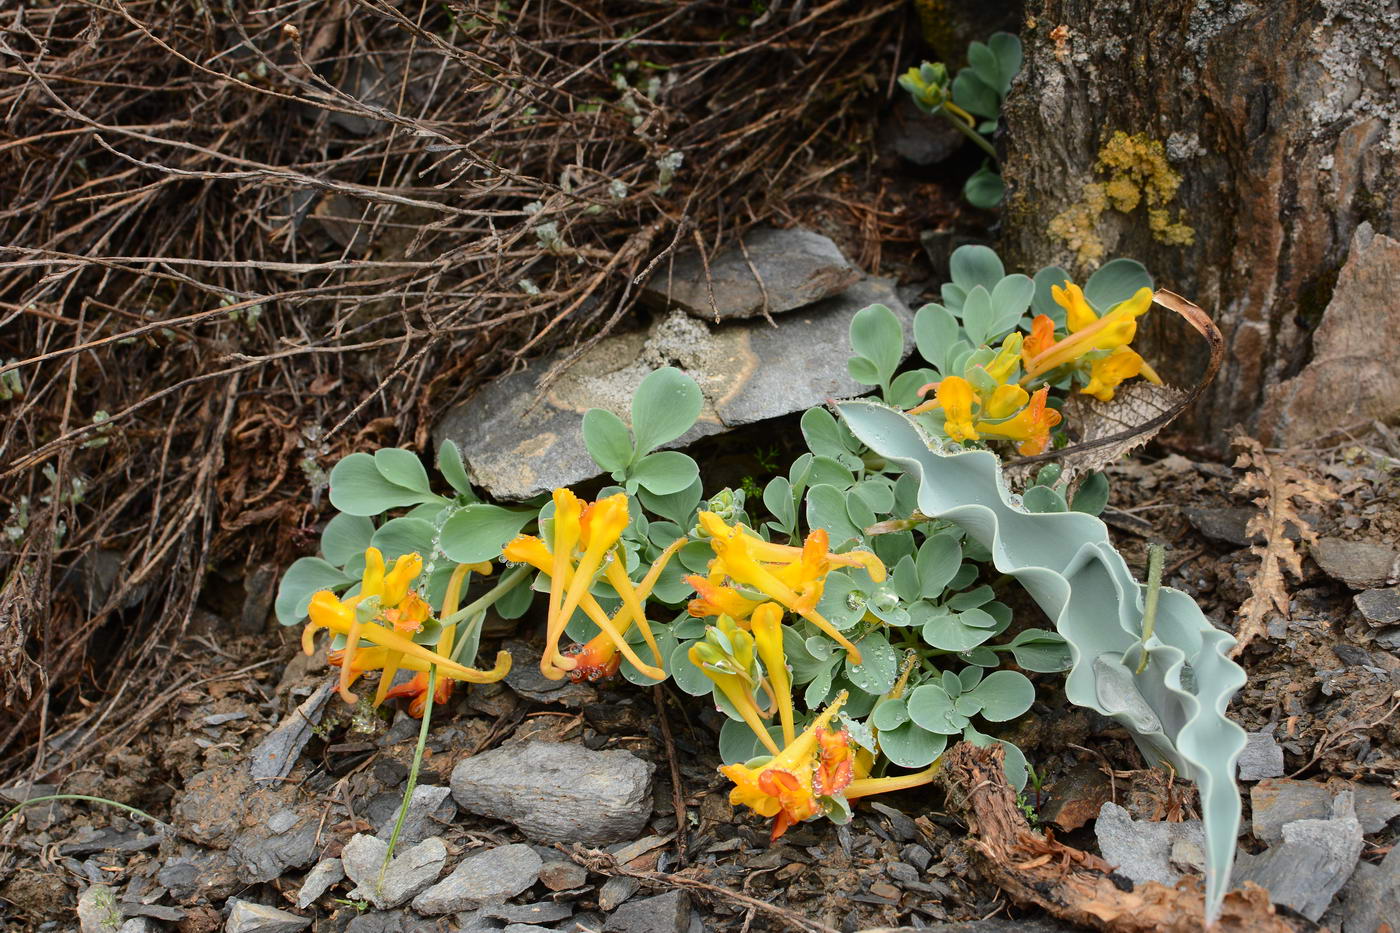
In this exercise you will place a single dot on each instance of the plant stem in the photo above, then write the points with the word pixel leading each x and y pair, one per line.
pixel 412 771
pixel 509 581
pixel 971 134
pixel 111 803
pixel 466 634
pixel 1156 555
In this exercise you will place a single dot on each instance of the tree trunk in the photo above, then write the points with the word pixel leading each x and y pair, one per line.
pixel 1255 138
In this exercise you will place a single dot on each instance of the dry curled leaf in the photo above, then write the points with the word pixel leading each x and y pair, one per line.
pixel 1279 487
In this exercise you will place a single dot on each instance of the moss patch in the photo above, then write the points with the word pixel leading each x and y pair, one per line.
pixel 1136 174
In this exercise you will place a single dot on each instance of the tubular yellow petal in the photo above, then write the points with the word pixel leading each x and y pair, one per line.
pixel 865 787
pixel 372 581
pixel 352 641
pixel 733 689
pixel 767 625
pixel 804 746
pixel 386 679
pixel 632 609
pixel 1078 314
pixel 398 580
pixel 567 513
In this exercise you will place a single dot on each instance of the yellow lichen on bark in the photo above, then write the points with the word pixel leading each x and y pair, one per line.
pixel 1137 173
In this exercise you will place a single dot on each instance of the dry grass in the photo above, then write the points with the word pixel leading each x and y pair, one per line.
pixel 258 239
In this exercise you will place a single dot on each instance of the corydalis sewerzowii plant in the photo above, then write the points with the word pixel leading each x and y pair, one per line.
pixel 1175 704
pixel 979 90
pixel 1006 350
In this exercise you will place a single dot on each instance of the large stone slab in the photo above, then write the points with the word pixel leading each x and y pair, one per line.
pixel 748 371
pixel 1351 379
pixel 797 267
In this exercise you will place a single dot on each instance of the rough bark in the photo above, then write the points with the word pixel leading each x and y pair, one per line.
pixel 1279 117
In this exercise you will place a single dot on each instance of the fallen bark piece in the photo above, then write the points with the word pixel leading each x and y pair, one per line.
pixel 556 792
pixel 1072 885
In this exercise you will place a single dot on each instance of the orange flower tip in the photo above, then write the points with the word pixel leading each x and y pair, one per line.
pixel 592 666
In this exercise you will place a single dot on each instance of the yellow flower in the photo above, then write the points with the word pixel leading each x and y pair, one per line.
pixel 782 787
pixel 796 584
pixel 1078 314
pixel 1007 359
pixel 1115 329
pixel 597 527
pixel 1005 401
pixel 767 627
pixel 1107 373
pixel 1031 426
pixel 343 617
pixel 955 396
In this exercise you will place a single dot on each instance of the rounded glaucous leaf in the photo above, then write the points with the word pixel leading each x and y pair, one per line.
pixel 826 437
pixel 826 508
pixel 977 315
pixel 858 510
pixel 967 572
pixel 1092 494
pixel 1007 48
pixel 951 631
pixel 306 577
pixel 905 579
pixel 665 406
pixel 686 675
pixel 894 547
pixel 972 599
pixel 939 558
pixel 671 587
pixel 911 746
pixel 824 470
pixel 906 494
pixel 346 537
pixel 1040 651
pixel 877 492
pixel 935 330
pixel 1115 281
pixel 863 371
pixel 359 488
pixel 399 536
pixel 402 468
pixel 608 441
pixel 884 603
pixel 679 507
pixel 1044 300
pixel 1043 499
pixel 843 601
pixel 450 465
pixel 905 389
pixel 1048 475
pixel 738 744
pixel 984 63
pixel 665 472
pixel 514 604
pixel 777 499
pixel 803 664
pixel 889 714
pixel 974 265
pixel 931 708
pixel 981 656
pixel 819 688
pixel 665 641
pixel 877 335
pixel 985 189
pixel 1004 695
pixel 953 296
pixel 1010 299
pixel 974 95
pixel 477 532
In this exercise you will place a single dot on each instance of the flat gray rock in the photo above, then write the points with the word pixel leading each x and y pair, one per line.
pixel 663 913
pixel 98 910
pixel 994 925
pixel 1379 607
pixel 1315 859
pixel 199 874
pixel 277 753
pixel 482 878
pixel 918 137
pixel 393 921
pixel 287 840
pixel 796 268
pixel 325 873
pixel 1145 851
pixel 430 810
pixel 526 680
pixel 558 875
pixel 1262 757
pixel 411 871
pixel 248 917
pixel 1359 564
pixel 1371 897
pixel 747 371
pixel 538 913
pixel 616 890
pixel 558 792
pixel 1277 802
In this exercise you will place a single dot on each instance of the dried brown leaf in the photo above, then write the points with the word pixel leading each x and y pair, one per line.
pixel 1279 487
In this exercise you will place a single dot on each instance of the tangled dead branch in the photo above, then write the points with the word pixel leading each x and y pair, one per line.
pixel 239 243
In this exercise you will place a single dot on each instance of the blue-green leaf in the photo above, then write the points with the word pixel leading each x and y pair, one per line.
pixel 974 265
pixel 479 531
pixel 358 487
pixel 1115 281
pixel 665 406
pixel 449 464
pixel 877 335
pixel 402 468
pixel 306 577
pixel 911 746
pixel 608 441
pixel 665 472
pixel 346 537
pixel 1004 695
